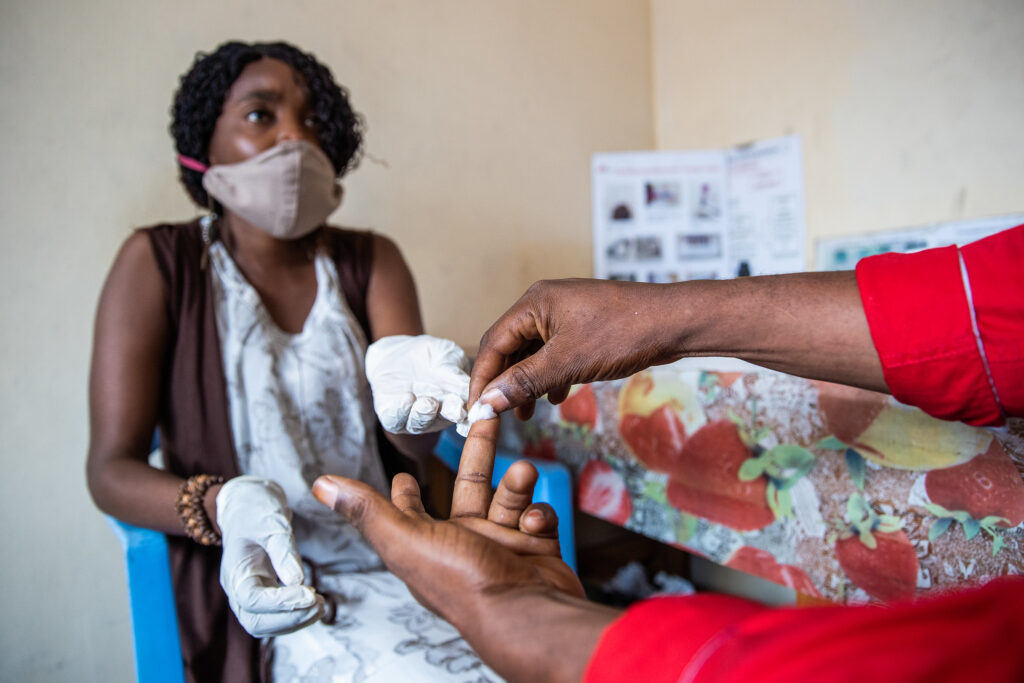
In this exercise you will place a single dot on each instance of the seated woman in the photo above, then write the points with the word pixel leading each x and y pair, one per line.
pixel 242 336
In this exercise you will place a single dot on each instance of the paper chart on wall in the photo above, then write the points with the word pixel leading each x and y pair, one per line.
pixel 766 207
pixel 699 214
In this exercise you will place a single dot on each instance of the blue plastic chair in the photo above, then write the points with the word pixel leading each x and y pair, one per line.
pixel 554 485
pixel 151 599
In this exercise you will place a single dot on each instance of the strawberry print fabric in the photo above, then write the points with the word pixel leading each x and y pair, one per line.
pixel 838 493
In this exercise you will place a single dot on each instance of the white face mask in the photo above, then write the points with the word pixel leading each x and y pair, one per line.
pixel 289 190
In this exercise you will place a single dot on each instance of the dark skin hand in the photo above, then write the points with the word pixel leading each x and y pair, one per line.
pixel 493 569
pixel 565 332
pixel 268 104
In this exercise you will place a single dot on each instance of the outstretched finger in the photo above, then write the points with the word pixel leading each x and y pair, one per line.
pixel 471 495
pixel 514 494
pixel 405 494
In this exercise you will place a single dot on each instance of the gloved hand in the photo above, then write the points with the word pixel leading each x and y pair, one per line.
pixel 420 384
pixel 260 570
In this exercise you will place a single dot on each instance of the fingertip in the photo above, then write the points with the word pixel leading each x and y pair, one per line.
pixel 525 411
pixel 423 412
pixel 291 573
pixel 523 473
pixel 326 490
pixel 539 519
pixel 533 519
pixel 300 597
pixel 405 494
pixel 558 394
pixel 494 397
pixel 453 408
pixel 404 484
pixel 393 409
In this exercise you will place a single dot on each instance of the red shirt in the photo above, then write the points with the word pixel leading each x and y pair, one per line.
pixel 948 325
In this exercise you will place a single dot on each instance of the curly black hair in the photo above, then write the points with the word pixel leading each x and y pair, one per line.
pixel 200 98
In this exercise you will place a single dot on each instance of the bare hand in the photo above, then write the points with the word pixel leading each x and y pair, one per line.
pixel 491 546
pixel 565 332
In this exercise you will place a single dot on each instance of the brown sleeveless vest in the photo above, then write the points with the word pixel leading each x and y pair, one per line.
pixel 195 435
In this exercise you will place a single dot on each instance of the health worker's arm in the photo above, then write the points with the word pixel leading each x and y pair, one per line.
pixel 941 329
pixel 565 332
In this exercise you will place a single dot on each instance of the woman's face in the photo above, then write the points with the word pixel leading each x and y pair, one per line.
pixel 268 104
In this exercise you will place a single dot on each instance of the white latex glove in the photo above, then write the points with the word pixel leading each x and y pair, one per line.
pixel 420 384
pixel 261 571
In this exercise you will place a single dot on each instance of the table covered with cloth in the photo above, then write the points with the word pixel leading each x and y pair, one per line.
pixel 839 493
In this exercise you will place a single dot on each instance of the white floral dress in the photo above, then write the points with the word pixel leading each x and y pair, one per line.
pixel 300 406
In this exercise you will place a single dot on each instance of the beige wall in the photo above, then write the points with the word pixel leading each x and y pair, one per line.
pixel 483 115
pixel 909 112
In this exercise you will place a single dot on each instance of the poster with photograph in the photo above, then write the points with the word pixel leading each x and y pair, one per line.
pixel 699 214
pixel 842 253
pixel 659 215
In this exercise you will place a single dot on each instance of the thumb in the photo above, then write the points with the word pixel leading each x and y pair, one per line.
pixel 524 382
pixel 368 511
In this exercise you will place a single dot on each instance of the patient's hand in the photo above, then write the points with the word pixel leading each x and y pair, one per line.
pixel 489 546
pixel 493 569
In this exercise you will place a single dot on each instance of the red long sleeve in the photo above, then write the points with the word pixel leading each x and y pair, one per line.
pixel 963 637
pixel 951 338
pixel 657 638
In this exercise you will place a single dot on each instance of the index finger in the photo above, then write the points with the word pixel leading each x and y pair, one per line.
pixel 471 496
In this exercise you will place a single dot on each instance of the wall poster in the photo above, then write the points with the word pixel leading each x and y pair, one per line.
pixel 842 253
pixel 669 216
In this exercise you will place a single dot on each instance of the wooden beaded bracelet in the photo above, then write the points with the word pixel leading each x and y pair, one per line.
pixel 191 510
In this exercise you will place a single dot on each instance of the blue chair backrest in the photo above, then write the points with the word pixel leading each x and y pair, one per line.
pixel 554 485
pixel 151 599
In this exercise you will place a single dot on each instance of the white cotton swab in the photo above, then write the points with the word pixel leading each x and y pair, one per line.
pixel 479 411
